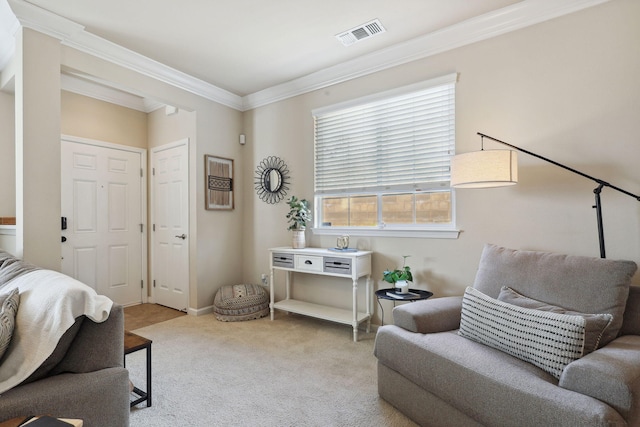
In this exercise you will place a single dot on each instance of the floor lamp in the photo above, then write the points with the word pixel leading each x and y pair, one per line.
pixel 496 168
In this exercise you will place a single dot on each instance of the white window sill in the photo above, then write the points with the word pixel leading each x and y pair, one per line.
pixel 447 233
pixel 9 230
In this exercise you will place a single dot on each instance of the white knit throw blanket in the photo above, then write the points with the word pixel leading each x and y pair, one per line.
pixel 49 304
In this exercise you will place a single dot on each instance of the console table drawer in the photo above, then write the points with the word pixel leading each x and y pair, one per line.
pixel 283 260
pixel 309 263
pixel 337 265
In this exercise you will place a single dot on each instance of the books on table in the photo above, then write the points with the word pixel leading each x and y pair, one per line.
pixel 408 295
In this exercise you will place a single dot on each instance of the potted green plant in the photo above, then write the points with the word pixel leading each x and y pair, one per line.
pixel 298 216
pixel 399 277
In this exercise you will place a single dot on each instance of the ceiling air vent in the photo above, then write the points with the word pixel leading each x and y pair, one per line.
pixel 361 32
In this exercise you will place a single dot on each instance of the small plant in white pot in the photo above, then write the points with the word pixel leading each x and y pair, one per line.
pixel 399 277
pixel 298 216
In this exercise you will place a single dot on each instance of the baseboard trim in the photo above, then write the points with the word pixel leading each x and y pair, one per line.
pixel 199 311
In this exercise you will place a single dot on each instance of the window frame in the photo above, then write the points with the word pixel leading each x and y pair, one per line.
pixel 428 230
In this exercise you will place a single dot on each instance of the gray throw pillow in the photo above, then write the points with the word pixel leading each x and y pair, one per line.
pixel 545 339
pixel 8 309
pixel 595 324
pixel 579 283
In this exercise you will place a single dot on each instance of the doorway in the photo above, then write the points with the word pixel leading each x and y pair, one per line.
pixel 170 224
pixel 103 218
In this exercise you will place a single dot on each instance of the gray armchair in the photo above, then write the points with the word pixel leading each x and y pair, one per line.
pixel 437 377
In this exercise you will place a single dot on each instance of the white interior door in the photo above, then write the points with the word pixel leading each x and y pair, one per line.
pixel 170 246
pixel 102 200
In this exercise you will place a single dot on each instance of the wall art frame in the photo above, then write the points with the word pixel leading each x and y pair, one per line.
pixel 218 183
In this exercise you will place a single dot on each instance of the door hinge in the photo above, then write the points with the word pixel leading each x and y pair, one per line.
pixel 153 170
pixel 154 227
pixel 154 283
pixel 141 284
pixel 141 227
pixel 141 175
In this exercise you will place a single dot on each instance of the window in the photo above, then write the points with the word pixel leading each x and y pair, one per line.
pixel 382 162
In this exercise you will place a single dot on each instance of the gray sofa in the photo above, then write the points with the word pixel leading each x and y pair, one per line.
pixel 84 377
pixel 437 377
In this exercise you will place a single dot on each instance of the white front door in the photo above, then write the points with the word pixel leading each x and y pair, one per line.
pixel 170 246
pixel 102 200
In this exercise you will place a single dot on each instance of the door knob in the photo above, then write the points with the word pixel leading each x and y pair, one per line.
pixel 183 236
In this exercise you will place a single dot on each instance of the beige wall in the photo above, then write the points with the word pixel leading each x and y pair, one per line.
pixel 103 121
pixel 216 243
pixel 37 129
pixel 567 89
pixel 216 239
pixel 164 129
pixel 80 116
pixel 216 236
pixel 7 156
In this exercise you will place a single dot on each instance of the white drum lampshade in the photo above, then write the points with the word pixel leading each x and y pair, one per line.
pixel 484 169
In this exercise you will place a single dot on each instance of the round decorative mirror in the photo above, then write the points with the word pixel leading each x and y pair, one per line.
pixel 272 179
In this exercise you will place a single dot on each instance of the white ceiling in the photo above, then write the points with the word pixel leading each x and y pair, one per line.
pixel 238 49
pixel 245 46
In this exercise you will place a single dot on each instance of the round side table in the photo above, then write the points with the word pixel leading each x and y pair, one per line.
pixel 392 295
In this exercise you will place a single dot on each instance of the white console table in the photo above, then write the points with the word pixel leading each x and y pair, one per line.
pixel 349 265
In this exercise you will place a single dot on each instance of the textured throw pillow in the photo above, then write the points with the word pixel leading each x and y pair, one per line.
pixel 8 308
pixel 548 340
pixel 595 323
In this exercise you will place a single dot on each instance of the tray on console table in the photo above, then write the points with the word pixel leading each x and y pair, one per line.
pixel 349 265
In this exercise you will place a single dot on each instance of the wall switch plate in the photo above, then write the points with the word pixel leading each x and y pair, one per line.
pixel 265 279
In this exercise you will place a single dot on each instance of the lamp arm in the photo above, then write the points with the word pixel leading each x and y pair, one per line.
pixel 600 182
pixel 598 208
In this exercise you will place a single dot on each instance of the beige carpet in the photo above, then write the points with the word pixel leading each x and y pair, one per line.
pixel 294 371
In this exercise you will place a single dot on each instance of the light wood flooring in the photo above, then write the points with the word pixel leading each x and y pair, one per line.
pixel 139 316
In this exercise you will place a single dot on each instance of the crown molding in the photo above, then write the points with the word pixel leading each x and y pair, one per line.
pixel 111 52
pixel 95 87
pixel 9 25
pixel 511 18
pixel 98 90
pixel 75 36
pixel 483 27
pixel 38 19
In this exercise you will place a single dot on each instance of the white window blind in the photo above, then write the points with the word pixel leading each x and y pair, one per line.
pixel 401 140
